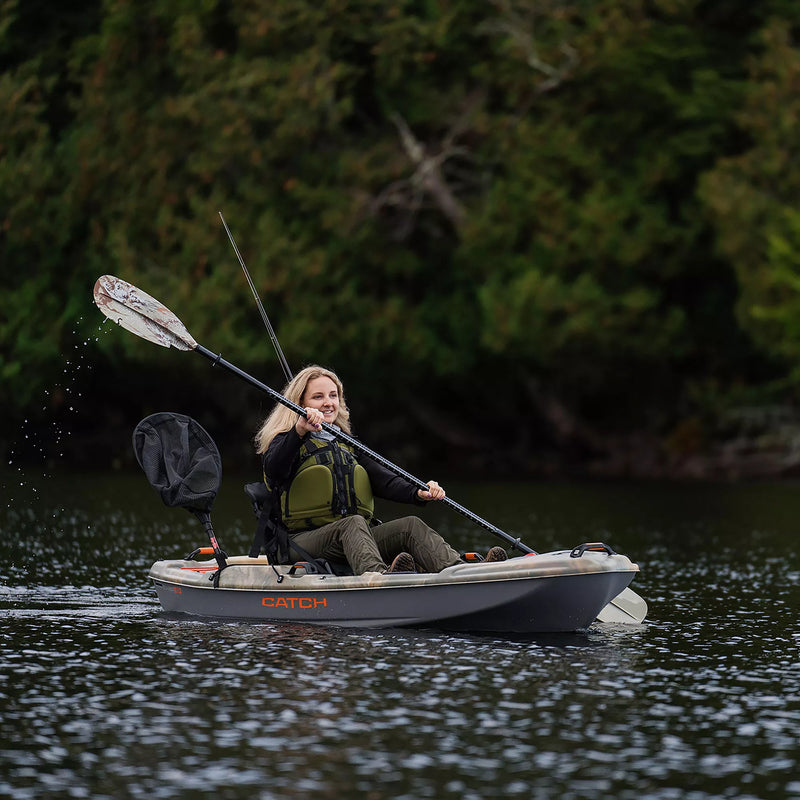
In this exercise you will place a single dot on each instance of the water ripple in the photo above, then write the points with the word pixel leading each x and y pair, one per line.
pixel 105 696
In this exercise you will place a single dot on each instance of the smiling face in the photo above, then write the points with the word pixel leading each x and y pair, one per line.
pixel 322 393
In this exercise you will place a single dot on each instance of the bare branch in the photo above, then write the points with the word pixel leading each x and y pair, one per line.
pixel 522 33
pixel 437 175
pixel 427 175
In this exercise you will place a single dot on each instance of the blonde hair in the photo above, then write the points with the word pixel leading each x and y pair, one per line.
pixel 283 419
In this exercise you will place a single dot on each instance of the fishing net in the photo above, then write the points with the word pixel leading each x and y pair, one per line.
pixel 179 459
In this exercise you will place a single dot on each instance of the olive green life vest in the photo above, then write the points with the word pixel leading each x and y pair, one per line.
pixel 328 484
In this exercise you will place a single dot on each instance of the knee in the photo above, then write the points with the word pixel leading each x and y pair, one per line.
pixel 416 525
pixel 355 524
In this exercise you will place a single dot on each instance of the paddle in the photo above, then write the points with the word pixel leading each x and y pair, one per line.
pixel 144 316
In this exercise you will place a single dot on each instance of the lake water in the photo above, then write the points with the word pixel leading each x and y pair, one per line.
pixel 104 696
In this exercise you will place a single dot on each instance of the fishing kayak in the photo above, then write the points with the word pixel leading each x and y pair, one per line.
pixel 558 591
pixel 537 593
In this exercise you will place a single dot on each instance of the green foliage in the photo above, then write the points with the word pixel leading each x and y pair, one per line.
pixel 591 249
pixel 425 193
pixel 753 198
pixel 33 233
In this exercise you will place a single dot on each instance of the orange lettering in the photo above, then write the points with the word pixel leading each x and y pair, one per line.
pixel 292 602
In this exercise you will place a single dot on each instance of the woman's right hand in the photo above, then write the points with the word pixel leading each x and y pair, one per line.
pixel 312 421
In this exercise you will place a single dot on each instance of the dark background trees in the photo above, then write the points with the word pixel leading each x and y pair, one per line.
pixel 531 235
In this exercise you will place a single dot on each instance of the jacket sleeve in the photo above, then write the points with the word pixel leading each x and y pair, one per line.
pixel 281 455
pixel 387 485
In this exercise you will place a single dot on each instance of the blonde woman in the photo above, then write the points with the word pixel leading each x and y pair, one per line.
pixel 326 489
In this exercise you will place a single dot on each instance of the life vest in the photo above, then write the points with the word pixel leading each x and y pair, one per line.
pixel 327 484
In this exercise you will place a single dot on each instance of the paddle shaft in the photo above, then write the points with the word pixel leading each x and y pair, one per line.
pixel 217 360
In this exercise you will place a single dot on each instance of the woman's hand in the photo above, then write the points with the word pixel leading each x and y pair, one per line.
pixel 435 492
pixel 312 421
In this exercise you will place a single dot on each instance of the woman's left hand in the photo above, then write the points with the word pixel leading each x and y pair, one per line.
pixel 435 492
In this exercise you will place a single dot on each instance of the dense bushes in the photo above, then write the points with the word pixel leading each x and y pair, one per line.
pixel 484 215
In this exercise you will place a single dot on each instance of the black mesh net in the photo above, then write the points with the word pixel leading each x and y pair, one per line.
pixel 179 459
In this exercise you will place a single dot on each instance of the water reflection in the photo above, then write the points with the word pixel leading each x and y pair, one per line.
pixel 104 695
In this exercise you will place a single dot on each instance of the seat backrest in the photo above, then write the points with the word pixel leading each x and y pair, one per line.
pixel 274 539
pixel 258 494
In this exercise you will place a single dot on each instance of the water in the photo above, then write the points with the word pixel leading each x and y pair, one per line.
pixel 104 696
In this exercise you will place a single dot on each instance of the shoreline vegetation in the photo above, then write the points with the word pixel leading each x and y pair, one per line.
pixel 536 238
pixel 749 444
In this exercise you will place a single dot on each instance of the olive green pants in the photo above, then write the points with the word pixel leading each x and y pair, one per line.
pixel 369 549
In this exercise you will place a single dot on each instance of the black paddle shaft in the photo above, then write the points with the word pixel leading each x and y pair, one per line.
pixel 361 448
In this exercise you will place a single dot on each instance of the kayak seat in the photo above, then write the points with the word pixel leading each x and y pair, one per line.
pixel 273 538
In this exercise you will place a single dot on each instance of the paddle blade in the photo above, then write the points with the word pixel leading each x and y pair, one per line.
pixel 141 314
pixel 627 608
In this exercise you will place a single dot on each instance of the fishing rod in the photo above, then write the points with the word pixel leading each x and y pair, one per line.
pixel 281 358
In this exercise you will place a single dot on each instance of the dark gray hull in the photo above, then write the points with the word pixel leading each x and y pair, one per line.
pixel 549 593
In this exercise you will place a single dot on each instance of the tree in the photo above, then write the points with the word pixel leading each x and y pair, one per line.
pixel 752 197
pixel 428 195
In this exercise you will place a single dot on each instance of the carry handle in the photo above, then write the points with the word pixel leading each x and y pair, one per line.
pixel 594 547
pixel 199 551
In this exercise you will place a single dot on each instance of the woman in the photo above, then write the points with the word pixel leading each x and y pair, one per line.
pixel 327 489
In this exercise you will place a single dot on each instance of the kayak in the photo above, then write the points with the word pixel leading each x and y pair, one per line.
pixel 547 592
pixel 537 593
